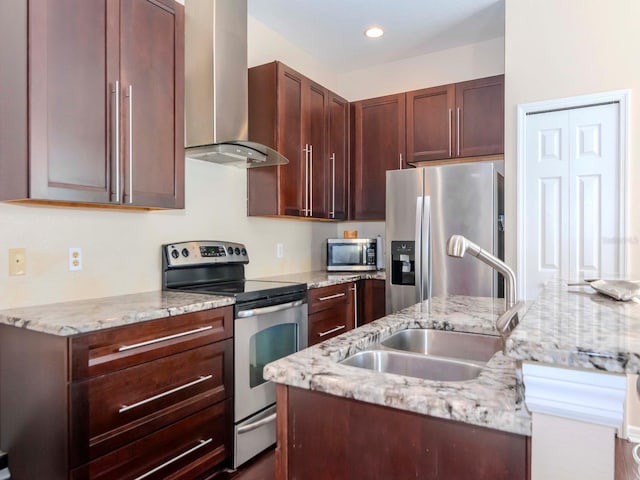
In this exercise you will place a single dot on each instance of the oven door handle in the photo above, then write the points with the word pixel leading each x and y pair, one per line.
pixel 258 424
pixel 264 310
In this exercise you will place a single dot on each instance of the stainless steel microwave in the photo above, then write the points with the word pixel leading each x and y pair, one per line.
pixel 354 254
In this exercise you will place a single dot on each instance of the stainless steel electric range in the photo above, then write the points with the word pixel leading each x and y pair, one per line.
pixel 270 323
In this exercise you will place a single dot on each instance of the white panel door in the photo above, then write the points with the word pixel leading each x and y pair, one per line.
pixel 594 178
pixel 547 209
pixel 571 195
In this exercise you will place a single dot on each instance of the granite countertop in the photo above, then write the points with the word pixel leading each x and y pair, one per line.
pixel 322 278
pixel 72 318
pixel 579 328
pixel 489 401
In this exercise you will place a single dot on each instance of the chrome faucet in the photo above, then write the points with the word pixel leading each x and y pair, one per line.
pixel 459 245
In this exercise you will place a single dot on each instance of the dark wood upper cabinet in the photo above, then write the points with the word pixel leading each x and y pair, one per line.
pixel 152 82
pixel 430 123
pixel 293 114
pixel 379 145
pixel 338 193
pixel 457 120
pixel 86 140
pixel 316 143
pixel 480 117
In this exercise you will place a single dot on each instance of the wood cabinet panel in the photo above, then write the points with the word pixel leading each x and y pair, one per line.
pixel 152 52
pixel 70 99
pixel 291 182
pixel 317 139
pixel 480 117
pixel 338 130
pixel 327 297
pixel 110 350
pixel 14 82
pixel 128 404
pixel 371 301
pixel 183 450
pixel 379 145
pixel 330 323
pixel 331 311
pixel 413 446
pixel 430 123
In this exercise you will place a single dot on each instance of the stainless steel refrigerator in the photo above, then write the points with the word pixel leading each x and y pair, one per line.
pixel 425 206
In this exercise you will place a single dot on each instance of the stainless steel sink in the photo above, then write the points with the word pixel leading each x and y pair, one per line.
pixel 411 365
pixel 458 345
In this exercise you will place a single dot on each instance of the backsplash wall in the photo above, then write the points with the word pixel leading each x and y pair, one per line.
pixel 121 249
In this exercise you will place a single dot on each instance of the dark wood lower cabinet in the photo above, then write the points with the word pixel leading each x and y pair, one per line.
pixel 371 300
pixel 151 397
pixel 321 436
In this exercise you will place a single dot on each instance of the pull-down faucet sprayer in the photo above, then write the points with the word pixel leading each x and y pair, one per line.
pixel 459 245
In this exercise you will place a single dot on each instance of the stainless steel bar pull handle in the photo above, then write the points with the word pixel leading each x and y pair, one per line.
pixel 115 198
pixel 200 444
pixel 306 180
pixel 257 424
pixel 458 131
pixel 329 297
pixel 332 213
pixel 130 144
pixel 400 161
pixel 333 330
pixel 124 348
pixel 450 139
pixel 355 305
pixel 311 180
pixel 264 310
pixel 126 408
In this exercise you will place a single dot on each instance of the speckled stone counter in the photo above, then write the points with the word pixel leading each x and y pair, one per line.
pixel 321 278
pixel 488 401
pixel 71 318
pixel 578 327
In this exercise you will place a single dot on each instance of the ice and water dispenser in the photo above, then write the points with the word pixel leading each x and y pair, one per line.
pixel 403 263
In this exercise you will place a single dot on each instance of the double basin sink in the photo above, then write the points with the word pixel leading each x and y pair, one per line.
pixel 429 354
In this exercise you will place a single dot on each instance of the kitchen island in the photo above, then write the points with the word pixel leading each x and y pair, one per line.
pixel 316 393
pixel 565 327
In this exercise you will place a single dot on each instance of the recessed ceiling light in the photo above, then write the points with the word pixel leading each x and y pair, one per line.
pixel 374 32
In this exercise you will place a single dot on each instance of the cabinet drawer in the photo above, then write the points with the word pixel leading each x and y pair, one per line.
pixel 329 323
pixel 117 348
pixel 183 450
pixel 327 297
pixel 126 405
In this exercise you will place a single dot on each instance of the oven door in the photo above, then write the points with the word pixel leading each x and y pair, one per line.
pixel 263 335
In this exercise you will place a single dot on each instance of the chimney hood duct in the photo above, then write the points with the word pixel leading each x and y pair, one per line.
pixel 217 86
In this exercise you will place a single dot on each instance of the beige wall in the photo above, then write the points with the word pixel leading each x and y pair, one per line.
pixel 121 250
pixel 556 49
pixel 477 60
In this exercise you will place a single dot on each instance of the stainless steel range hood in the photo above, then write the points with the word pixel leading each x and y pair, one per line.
pixel 216 86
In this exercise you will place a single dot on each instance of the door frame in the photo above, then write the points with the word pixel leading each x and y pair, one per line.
pixel 622 97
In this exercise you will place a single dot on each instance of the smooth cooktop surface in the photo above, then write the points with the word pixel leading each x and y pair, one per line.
pixel 247 290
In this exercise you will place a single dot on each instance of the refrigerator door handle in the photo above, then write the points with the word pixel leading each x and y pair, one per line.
pixel 417 269
pixel 425 248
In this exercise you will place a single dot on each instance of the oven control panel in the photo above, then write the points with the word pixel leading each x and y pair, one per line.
pixel 204 253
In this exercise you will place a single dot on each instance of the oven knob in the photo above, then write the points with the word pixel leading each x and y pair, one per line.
pixel 244 251
pixel 185 252
pixel 175 254
pixel 230 250
pixel 237 251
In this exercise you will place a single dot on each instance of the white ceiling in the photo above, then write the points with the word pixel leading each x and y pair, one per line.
pixel 333 30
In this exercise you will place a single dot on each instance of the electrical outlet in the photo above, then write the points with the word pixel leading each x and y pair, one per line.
pixel 17 261
pixel 279 250
pixel 75 259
